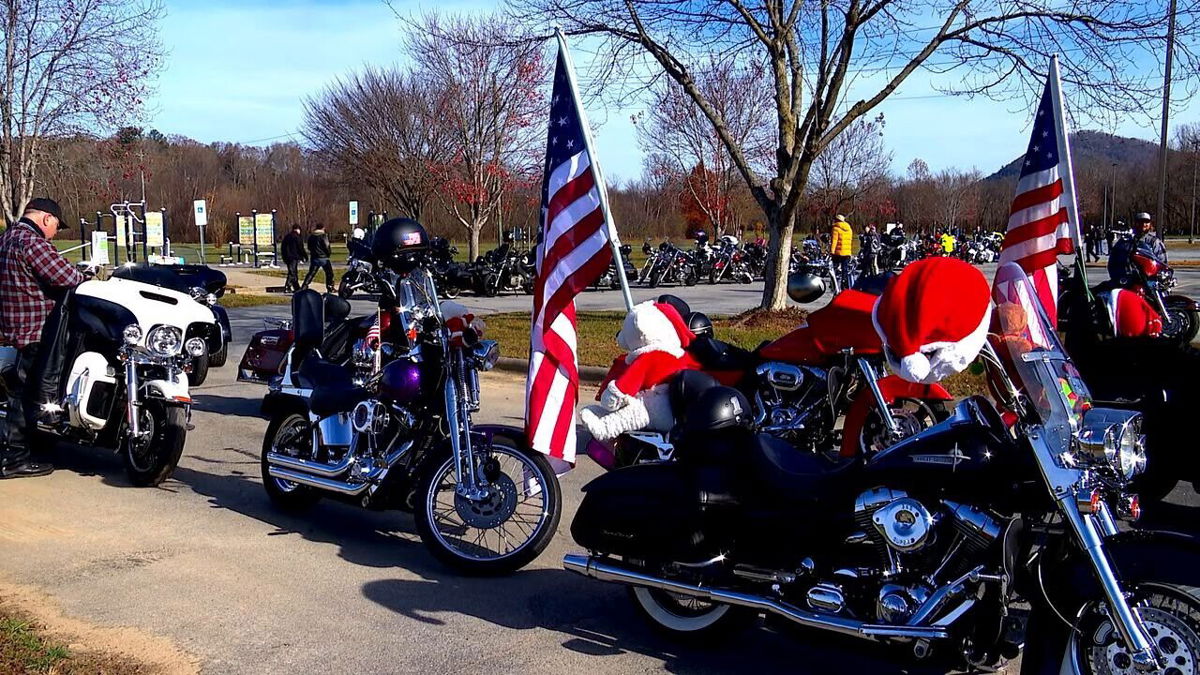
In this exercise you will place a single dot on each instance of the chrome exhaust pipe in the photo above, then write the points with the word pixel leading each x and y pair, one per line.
pixel 589 566
pixel 318 482
pixel 306 466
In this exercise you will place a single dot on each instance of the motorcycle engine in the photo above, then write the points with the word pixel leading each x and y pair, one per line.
pixel 918 547
pixel 789 400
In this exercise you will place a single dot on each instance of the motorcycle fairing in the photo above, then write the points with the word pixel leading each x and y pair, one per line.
pixel 150 305
pixel 845 323
pixel 174 390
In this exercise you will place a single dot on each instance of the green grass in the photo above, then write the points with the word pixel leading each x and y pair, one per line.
pixel 24 650
pixel 234 300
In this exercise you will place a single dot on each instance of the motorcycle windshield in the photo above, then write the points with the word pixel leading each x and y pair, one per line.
pixel 1028 346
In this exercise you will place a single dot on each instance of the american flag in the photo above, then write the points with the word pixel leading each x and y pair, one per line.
pixel 1039 228
pixel 573 251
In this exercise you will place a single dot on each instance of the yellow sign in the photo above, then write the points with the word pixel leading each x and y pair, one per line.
pixel 155 234
pixel 246 230
pixel 119 219
pixel 264 230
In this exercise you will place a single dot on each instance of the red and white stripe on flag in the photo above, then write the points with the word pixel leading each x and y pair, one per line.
pixel 1038 225
pixel 573 251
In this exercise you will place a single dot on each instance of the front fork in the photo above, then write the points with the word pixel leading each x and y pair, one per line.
pixel 885 409
pixel 133 397
pixel 470 484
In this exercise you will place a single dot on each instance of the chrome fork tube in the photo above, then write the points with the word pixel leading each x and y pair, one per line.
pixel 132 389
pixel 460 438
pixel 1129 625
pixel 885 411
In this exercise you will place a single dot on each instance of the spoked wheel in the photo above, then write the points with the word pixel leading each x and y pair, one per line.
pixel 151 457
pixel 450 291
pixel 288 434
pixel 1180 323
pixel 1171 615
pixel 687 617
pixel 689 276
pixel 504 529
pixel 346 287
pixel 912 416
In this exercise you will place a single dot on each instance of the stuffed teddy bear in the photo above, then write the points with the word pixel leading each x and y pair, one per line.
pixel 634 395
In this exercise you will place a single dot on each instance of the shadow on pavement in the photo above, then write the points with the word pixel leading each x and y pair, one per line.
pixel 598 619
pixel 370 538
pixel 240 406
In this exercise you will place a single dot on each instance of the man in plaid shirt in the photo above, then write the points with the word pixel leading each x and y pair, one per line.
pixel 32 275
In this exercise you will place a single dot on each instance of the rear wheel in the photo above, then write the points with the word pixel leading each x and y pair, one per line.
pixel 152 456
pixel 686 617
pixel 290 433
pixel 1181 323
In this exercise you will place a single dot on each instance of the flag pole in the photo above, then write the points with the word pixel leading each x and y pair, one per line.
pixel 1068 178
pixel 601 186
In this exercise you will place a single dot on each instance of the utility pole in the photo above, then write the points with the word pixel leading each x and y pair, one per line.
pixel 1195 170
pixel 1166 114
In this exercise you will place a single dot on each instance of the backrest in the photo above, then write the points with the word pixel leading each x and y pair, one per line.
pixel 308 321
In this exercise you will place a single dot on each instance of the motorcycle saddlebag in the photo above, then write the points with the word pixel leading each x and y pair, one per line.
pixel 663 512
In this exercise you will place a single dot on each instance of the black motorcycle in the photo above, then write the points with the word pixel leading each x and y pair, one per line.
pixel 402 437
pixel 932 544
pixel 450 276
pixel 504 270
pixel 610 279
pixel 729 262
pixel 359 276
pixel 672 265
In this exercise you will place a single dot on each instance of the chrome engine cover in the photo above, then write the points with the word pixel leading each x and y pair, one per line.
pixel 781 376
pixel 904 523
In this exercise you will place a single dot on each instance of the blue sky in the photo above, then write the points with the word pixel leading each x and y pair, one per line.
pixel 239 71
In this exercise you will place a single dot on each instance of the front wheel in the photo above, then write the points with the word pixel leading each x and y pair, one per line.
pixel 219 357
pixel 151 457
pixel 1170 613
pixel 688 618
pixel 346 287
pixel 504 529
pixel 688 276
pixel 199 370
pixel 450 292
pixel 1181 322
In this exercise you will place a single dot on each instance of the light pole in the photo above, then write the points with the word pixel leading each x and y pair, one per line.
pixel 1166 113
pixel 1195 170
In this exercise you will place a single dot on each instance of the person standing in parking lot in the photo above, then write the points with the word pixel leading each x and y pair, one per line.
pixel 319 252
pixel 841 246
pixel 292 250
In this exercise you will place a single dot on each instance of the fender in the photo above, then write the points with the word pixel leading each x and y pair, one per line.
pixel 222 316
pixel 173 391
pixel 892 387
pixel 517 436
pixel 276 402
pixel 1176 300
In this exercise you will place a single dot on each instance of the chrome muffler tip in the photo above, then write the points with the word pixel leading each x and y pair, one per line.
pixel 578 563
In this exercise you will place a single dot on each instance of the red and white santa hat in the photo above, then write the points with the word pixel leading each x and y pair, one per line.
pixel 933 318
pixel 653 327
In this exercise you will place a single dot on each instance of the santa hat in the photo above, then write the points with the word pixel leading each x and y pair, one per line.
pixel 653 327
pixel 933 318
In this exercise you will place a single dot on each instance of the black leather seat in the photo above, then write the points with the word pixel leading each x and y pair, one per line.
pixel 333 388
pixel 794 474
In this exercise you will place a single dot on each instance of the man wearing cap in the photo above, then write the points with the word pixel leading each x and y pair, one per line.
pixel 31 270
pixel 1145 238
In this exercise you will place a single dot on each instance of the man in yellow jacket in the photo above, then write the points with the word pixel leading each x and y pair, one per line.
pixel 840 249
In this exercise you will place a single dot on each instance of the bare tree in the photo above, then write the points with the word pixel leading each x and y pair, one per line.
pixel 491 108
pixel 379 129
pixel 957 196
pixel 680 141
pixel 70 67
pixel 854 163
pixel 832 63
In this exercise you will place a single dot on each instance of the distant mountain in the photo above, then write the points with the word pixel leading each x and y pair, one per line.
pixel 1094 149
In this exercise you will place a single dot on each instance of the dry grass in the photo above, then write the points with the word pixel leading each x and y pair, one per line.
pixel 25 648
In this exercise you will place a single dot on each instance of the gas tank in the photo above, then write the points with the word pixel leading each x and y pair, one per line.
pixel 845 323
pixel 401 381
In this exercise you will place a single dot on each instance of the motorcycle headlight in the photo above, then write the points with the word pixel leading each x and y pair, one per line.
pixel 164 340
pixel 132 334
pixel 1113 439
pixel 486 353
pixel 195 347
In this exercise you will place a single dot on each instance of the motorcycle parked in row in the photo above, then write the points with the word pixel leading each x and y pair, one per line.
pixel 669 264
pixel 504 270
pixel 483 500
pixel 120 351
pixel 931 544
pixel 451 277
pixel 729 262
pixel 609 278
pixel 359 276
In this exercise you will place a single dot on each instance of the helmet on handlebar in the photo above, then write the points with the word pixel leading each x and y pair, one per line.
pixel 804 287
pixel 398 241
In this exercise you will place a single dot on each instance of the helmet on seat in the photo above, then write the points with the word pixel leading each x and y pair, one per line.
pixel 699 324
pixel 398 241
pixel 717 408
pixel 804 287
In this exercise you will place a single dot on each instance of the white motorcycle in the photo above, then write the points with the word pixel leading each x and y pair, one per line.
pixel 127 347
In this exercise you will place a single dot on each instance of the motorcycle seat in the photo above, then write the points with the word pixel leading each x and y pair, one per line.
pixel 794 474
pixel 333 389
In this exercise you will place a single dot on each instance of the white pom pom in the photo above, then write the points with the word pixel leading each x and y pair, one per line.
pixel 914 367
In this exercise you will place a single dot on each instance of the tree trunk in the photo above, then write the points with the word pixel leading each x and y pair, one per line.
pixel 473 246
pixel 779 256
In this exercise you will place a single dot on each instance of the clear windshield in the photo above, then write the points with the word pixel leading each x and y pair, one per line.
pixel 1028 346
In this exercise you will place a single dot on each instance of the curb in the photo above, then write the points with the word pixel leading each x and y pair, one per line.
pixel 587 374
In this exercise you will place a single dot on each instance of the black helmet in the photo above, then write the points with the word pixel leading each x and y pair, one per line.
pixel 440 244
pixel 699 324
pixel 397 240
pixel 686 387
pixel 664 246
pixel 701 237
pixel 717 408
pixel 676 302
pixel 626 249
pixel 804 287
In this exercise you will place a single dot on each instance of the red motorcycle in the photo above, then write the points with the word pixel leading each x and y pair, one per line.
pixel 1154 279
pixel 802 385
